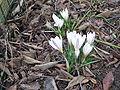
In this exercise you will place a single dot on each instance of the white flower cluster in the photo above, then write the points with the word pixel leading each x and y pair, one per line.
pixel 74 38
pixel 77 40
pixel 59 22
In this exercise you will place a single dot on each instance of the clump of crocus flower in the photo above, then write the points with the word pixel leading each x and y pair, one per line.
pixel 77 40
pixel 77 43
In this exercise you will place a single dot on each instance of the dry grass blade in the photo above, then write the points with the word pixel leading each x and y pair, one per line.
pixel 105 52
pixel 46 65
pixel 30 60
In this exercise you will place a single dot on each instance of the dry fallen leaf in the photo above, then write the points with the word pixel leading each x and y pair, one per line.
pixel 107 81
pixel 30 86
pixel 107 13
pixel 75 81
pixel 84 26
pixel 50 84
pixel 4 68
pixel 87 79
pixel 30 60
pixel 46 65
pixel 93 80
pixel 14 87
pixel 112 62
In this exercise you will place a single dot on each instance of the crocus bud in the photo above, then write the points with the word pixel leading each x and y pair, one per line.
pixel 58 22
pixel 65 14
pixel 90 37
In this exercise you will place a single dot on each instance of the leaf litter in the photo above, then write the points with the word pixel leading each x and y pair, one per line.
pixel 30 34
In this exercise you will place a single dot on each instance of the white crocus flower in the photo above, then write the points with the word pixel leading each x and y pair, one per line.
pixel 77 42
pixel 87 48
pixel 90 37
pixel 58 22
pixel 56 43
pixel 65 14
pixel 70 36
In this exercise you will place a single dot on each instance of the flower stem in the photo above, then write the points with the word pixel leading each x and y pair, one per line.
pixel 84 59
pixel 76 66
pixel 67 63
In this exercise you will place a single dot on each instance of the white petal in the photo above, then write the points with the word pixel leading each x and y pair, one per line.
pixel 87 49
pixel 52 44
pixel 59 42
pixel 58 22
pixel 55 18
pixel 78 41
pixel 70 36
pixel 65 14
pixel 90 37
pixel 56 43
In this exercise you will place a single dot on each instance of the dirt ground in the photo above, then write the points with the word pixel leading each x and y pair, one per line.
pixel 24 45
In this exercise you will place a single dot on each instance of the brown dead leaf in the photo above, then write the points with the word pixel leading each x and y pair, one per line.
pixel 108 80
pixel 30 60
pixel 84 26
pixel 93 80
pixel 112 62
pixel 64 74
pixel 107 13
pixel 14 87
pixel 87 79
pixel 75 81
pixel 50 84
pixel 46 65
pixel 29 54
pixel 5 69
pixel 30 86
